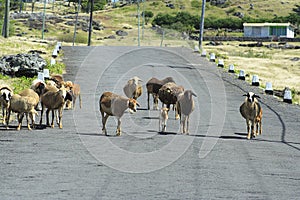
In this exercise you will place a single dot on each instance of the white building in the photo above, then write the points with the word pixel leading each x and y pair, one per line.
pixel 268 30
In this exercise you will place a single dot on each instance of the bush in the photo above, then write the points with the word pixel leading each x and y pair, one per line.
pixel 80 38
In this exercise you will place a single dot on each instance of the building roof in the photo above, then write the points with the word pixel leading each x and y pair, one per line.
pixel 266 24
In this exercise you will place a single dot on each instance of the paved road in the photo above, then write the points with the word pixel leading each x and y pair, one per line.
pixel 214 162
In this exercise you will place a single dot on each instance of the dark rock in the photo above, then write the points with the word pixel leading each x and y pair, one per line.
pixel 22 65
pixel 121 33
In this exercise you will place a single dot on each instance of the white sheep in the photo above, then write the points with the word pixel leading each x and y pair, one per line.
pixel 115 105
pixel 133 88
pixel 6 93
pixel 22 105
pixel 54 100
pixel 252 112
pixel 163 118
pixel 185 106
pixel 153 86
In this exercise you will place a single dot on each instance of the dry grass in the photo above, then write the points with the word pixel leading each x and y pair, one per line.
pixel 275 66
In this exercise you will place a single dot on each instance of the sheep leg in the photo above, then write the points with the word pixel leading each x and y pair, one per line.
pixel 28 124
pixel 187 124
pixel 32 117
pixel 177 115
pixel 52 121
pixel 148 95
pixel 80 102
pixel 42 111
pixel 248 129
pixel 20 119
pixel 8 118
pixel 182 125
pixel 260 127
pixel 47 117
pixel 60 113
pixel 155 101
pixel 4 114
pixel 119 127
pixel 104 119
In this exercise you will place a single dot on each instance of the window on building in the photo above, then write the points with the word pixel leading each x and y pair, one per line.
pixel 278 30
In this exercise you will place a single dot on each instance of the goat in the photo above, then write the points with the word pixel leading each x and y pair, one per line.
pixel 185 106
pixel 115 105
pixel 168 94
pixel 133 88
pixel 153 86
pixel 22 105
pixel 252 112
pixel 6 94
pixel 163 118
pixel 54 100
pixel 75 91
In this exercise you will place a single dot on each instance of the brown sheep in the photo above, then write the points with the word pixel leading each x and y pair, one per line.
pixel 153 86
pixel 74 88
pixel 252 112
pixel 168 95
pixel 54 100
pixel 115 105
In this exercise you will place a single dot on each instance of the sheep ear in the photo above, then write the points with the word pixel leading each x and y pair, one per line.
pixel 194 94
pixel 245 95
pixel 256 96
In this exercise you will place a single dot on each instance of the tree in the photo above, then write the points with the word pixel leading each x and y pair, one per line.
pixel 148 15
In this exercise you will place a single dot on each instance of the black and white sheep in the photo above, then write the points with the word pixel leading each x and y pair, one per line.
pixel 185 106
pixel 115 105
pixel 251 110
pixel 153 86
pixel 6 93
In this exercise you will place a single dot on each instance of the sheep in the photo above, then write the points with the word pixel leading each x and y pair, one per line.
pixel 38 86
pixel 252 112
pixel 36 99
pixel 54 100
pixel 168 94
pixel 185 106
pixel 153 86
pixel 163 118
pixel 133 88
pixel 6 93
pixel 75 91
pixel 115 105
pixel 22 105
pixel 58 79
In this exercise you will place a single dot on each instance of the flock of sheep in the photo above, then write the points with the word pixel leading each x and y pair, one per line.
pixel 166 90
pixel 169 93
pixel 56 95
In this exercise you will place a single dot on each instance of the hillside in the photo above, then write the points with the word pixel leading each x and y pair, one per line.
pixel 60 18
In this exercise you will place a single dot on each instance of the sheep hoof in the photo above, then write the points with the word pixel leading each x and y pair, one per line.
pixel 52 126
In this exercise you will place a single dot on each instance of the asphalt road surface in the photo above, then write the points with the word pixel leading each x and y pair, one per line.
pixel 215 161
